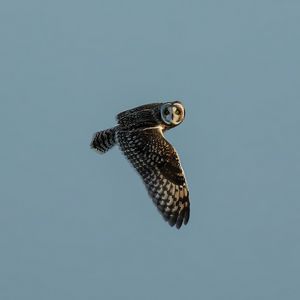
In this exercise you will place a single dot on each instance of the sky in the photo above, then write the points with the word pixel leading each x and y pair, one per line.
pixel 77 225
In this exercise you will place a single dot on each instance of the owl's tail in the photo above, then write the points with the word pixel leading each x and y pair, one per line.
pixel 104 140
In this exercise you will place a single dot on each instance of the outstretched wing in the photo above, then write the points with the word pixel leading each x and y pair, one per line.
pixel 157 162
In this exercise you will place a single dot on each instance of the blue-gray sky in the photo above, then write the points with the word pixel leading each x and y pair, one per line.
pixel 76 225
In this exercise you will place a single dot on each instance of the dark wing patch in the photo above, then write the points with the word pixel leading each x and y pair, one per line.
pixel 104 140
pixel 157 162
pixel 140 117
pixel 128 112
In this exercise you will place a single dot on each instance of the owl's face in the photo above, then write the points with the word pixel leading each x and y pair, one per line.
pixel 172 113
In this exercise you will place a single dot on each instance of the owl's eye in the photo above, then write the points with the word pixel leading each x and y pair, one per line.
pixel 177 112
pixel 166 112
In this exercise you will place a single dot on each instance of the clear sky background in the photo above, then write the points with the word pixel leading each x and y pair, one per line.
pixel 77 225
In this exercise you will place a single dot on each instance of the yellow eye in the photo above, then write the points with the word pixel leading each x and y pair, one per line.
pixel 177 112
pixel 166 112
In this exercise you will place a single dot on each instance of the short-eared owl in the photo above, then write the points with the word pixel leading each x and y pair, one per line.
pixel 139 134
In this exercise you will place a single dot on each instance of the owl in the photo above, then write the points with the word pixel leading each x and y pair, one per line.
pixel 139 134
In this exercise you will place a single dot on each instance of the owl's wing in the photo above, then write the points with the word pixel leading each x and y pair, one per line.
pixel 157 162
pixel 139 117
pixel 126 113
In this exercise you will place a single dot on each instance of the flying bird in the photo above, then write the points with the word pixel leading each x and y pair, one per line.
pixel 140 136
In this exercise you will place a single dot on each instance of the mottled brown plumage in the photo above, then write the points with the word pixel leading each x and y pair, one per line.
pixel 139 134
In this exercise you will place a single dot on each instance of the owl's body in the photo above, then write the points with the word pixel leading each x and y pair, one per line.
pixel 139 134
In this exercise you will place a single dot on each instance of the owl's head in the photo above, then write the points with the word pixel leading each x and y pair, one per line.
pixel 172 113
